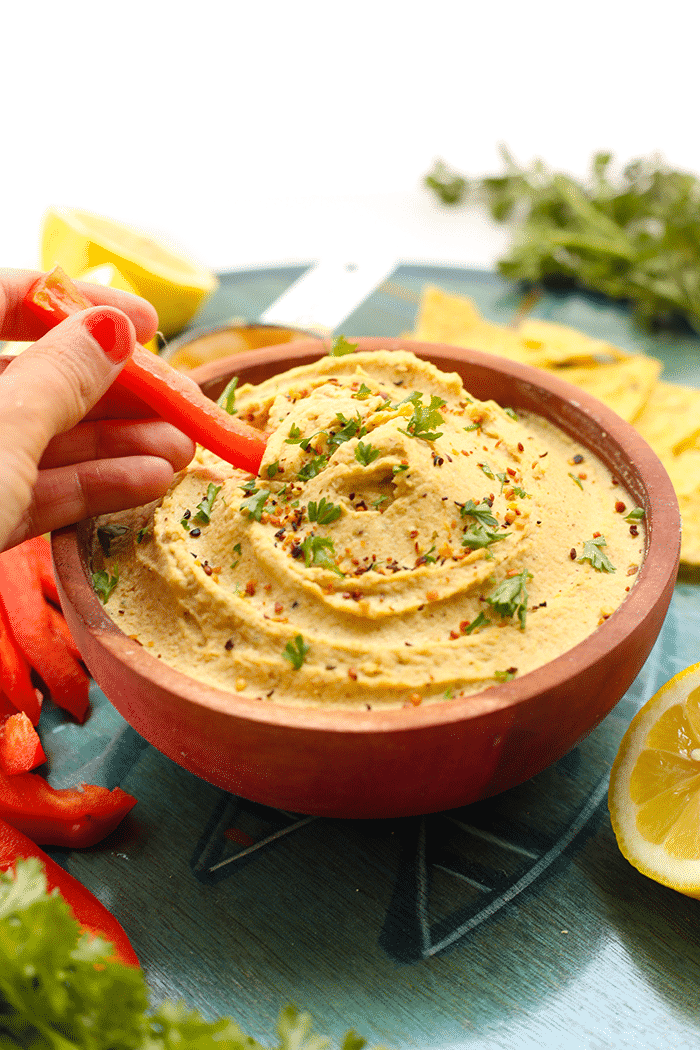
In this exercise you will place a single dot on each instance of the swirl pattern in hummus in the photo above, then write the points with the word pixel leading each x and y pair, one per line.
pixel 403 543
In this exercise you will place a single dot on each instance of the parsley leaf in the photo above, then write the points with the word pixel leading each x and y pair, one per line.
pixel 324 512
pixel 592 553
pixel 478 536
pixel 319 550
pixel 425 417
pixel 350 428
pixel 636 514
pixel 227 399
pixel 482 513
pixel 362 393
pixel 510 597
pixel 577 481
pixel 254 503
pixel 104 584
pixel 481 620
pixel 312 468
pixel 500 476
pixel 340 346
pixel 204 509
pixel 366 453
pixel 296 652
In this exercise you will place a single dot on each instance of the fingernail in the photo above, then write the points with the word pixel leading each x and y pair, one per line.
pixel 112 333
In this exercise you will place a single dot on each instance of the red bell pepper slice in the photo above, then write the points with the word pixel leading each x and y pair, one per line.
pixel 41 553
pixel 30 623
pixel 75 816
pixel 20 746
pixel 92 916
pixel 15 675
pixel 170 393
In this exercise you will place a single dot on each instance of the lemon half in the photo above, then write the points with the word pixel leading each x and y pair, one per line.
pixel 79 241
pixel 654 794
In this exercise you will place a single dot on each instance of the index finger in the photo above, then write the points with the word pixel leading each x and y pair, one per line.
pixel 18 323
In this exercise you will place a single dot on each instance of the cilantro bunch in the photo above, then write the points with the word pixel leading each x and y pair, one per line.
pixel 59 989
pixel 633 236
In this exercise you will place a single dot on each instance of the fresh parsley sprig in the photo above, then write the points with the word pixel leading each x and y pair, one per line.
pixel 598 558
pixel 510 597
pixel 104 583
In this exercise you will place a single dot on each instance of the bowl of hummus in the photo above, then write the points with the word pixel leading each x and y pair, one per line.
pixel 448 570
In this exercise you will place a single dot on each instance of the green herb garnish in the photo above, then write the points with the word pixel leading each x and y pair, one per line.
pixel 104 584
pixel 312 468
pixel 592 553
pixel 425 417
pixel 478 536
pixel 481 621
pixel 481 512
pixel 296 652
pixel 204 509
pixel 500 476
pixel 142 533
pixel 510 597
pixel 236 550
pixel 324 512
pixel 366 453
pixel 254 503
pixel 362 393
pixel 340 347
pixel 505 676
pixel 636 514
pixel 576 480
pixel 227 399
pixel 350 428
pixel 319 550
pixel 273 469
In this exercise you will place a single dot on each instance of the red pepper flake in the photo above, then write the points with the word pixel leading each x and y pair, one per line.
pixel 250 588
pixel 632 570
pixel 454 634
pixel 207 569
pixel 509 470
pixel 572 554
pixel 521 447
pixel 620 506
pixel 415 699
pixel 413 533
pixel 279 608
pixel 352 674
pixel 634 531
pixel 596 535
pixel 432 596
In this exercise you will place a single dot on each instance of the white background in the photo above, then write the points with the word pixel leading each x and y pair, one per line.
pixel 270 131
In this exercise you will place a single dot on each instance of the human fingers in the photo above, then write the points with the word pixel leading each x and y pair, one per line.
pixel 64 495
pixel 117 438
pixel 48 389
pixel 18 323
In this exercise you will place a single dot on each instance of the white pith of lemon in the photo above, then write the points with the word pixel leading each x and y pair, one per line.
pixel 79 241
pixel 654 794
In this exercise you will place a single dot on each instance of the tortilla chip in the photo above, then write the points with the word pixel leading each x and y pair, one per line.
pixel 560 345
pixel 625 386
pixel 670 420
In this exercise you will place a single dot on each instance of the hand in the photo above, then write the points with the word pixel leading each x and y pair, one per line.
pixel 70 447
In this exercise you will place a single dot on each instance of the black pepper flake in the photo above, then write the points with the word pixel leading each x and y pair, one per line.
pixel 194 533
pixel 228 646
pixel 578 458
pixel 296 551
pixel 187 515
pixel 572 554
pixel 280 534
pixel 634 531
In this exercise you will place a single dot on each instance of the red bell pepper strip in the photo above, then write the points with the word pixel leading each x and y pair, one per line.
pixel 75 816
pixel 20 747
pixel 41 552
pixel 92 916
pixel 171 394
pixel 29 620
pixel 15 675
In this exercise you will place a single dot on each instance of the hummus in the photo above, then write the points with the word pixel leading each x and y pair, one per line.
pixel 402 544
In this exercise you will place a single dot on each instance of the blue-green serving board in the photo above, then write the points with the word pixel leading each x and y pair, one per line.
pixel 512 923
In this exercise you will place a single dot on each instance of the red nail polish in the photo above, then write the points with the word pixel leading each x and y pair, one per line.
pixel 112 333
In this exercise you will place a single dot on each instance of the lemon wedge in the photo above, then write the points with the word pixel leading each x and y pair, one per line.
pixel 79 241
pixel 654 794
pixel 110 277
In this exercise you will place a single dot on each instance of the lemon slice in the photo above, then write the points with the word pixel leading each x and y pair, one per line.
pixel 654 795
pixel 78 241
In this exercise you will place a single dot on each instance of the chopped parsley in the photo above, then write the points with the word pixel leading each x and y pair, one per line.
pixel 362 393
pixel 481 620
pixel 478 536
pixel 236 550
pixel 510 597
pixel 296 652
pixel 505 676
pixel 636 514
pixel 350 428
pixel 577 481
pixel 273 468
pixel 319 550
pixel 340 347
pixel 227 399
pixel 366 453
pixel 425 417
pixel 204 509
pixel 324 512
pixel 142 533
pixel 254 503
pixel 502 477
pixel 398 468
pixel 104 584
pixel 481 511
pixel 312 468
pixel 598 558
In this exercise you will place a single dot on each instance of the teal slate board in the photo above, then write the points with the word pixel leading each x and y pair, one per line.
pixel 511 923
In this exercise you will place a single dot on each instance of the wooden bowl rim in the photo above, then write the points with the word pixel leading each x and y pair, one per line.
pixel 71 551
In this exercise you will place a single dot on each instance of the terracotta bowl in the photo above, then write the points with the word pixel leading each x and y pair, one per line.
pixel 403 761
